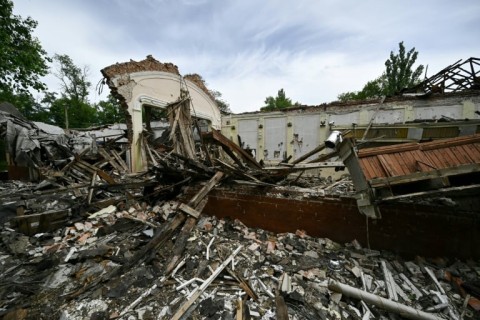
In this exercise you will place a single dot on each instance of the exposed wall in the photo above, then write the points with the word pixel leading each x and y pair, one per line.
pixel 276 135
pixel 155 84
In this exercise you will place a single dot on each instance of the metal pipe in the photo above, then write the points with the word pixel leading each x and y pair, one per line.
pixel 386 304
pixel 333 139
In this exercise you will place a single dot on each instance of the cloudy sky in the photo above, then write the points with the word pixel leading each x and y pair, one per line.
pixel 248 50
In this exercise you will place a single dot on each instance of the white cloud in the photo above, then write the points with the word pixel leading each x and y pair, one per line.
pixel 250 49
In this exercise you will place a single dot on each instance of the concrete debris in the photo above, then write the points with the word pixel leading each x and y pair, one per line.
pixel 85 283
pixel 92 240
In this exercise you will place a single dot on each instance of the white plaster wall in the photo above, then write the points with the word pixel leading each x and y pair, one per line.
pixel 390 116
pixel 275 138
pixel 248 131
pixel 435 113
pixel 158 89
pixel 345 119
pixel 305 134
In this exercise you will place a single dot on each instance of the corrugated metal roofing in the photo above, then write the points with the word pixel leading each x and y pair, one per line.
pixel 409 158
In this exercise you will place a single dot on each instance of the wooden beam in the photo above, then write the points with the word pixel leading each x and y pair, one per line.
pixel 187 304
pixel 309 154
pixel 189 210
pixel 223 141
pixel 190 222
pixel 418 176
pixel 468 188
pixel 308 166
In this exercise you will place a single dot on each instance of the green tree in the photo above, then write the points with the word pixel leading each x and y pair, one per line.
pixel 398 74
pixel 279 102
pixel 222 104
pixel 109 111
pixel 23 61
pixel 77 111
pixel 399 70
pixel 372 90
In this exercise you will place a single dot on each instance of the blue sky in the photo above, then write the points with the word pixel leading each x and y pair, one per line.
pixel 248 50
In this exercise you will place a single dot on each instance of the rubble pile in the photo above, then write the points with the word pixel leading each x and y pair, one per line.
pixel 93 240
pixel 74 273
pixel 148 64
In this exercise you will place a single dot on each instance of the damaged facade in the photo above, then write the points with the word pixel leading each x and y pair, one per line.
pixel 253 223
pixel 150 83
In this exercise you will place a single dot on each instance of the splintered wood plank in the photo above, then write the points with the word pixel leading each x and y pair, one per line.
pixel 457 156
pixel 473 151
pixel 105 176
pixel 400 163
pixel 374 169
pixel 222 140
pixel 410 161
pixel 434 174
pixel 187 304
pixel 110 160
pixel 377 167
pixel 83 168
pixel 388 166
pixel 189 210
pixel 423 162
pixel 433 159
pixel 366 168
pixel 197 204
pixel 451 158
pixel 119 160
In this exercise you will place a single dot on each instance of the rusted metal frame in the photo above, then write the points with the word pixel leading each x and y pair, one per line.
pixel 408 162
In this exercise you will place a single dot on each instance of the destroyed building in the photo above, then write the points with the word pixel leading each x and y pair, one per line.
pixel 309 213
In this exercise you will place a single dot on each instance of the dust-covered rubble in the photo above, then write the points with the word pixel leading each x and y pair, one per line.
pixel 53 275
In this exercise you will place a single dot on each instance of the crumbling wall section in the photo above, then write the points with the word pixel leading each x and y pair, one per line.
pixel 399 119
pixel 199 82
pixel 148 64
pixel 155 84
pixel 122 89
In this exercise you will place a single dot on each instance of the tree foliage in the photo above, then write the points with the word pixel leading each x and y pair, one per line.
pixel 398 74
pixel 109 111
pixel 279 102
pixel 222 104
pixel 77 111
pixel 372 90
pixel 74 80
pixel 23 61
